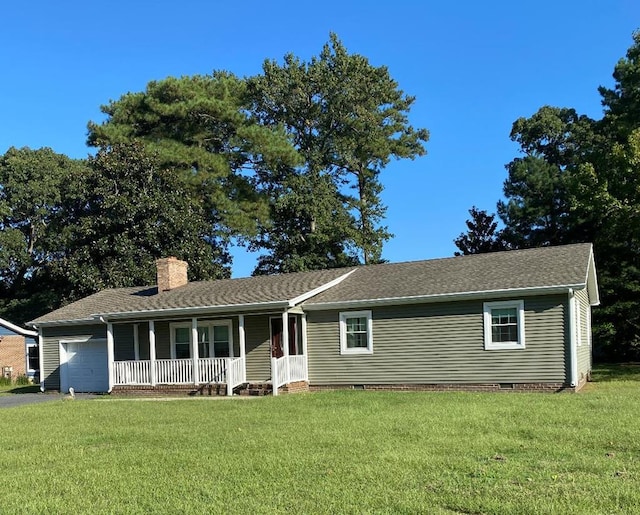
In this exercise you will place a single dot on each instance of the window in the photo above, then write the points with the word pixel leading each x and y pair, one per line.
pixel 221 341
pixel 182 342
pixel 356 332
pixel 214 339
pixel 504 325
pixel 33 359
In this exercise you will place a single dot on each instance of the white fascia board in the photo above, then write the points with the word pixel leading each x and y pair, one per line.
pixel 193 310
pixel 592 281
pixel 77 321
pixel 418 299
pixel 17 329
pixel 312 293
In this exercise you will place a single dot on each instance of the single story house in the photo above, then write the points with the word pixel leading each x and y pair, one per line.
pixel 18 351
pixel 506 320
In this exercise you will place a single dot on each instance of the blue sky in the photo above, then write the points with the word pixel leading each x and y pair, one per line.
pixel 474 68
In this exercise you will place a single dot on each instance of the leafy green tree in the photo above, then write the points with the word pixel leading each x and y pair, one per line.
pixel 128 212
pixel 33 188
pixel 579 180
pixel 199 125
pixel 482 234
pixel 347 119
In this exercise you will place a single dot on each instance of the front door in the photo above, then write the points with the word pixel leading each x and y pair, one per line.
pixel 277 349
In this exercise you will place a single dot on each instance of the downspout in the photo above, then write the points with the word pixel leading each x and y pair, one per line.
pixel 40 356
pixel 573 344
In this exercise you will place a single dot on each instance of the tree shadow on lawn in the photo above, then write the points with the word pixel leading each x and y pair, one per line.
pixel 31 388
pixel 616 372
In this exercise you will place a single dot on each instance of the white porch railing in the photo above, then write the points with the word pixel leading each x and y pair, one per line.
pixel 132 372
pixel 288 369
pixel 174 371
pixel 231 371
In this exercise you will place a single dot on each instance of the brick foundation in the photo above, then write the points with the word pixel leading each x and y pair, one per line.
pixel 169 390
pixel 459 387
pixel 296 387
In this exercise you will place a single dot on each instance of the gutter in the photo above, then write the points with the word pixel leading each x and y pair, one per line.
pixel 17 329
pixel 442 297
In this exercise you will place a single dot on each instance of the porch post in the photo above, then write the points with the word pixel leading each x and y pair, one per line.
pixel 194 350
pixel 241 334
pixel 110 354
pixel 303 330
pixel 285 343
pixel 152 352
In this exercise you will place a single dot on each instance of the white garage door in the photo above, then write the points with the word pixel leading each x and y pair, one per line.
pixel 86 366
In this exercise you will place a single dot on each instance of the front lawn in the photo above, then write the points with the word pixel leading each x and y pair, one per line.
pixel 337 452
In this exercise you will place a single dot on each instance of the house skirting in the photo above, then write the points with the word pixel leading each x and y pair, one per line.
pixel 461 387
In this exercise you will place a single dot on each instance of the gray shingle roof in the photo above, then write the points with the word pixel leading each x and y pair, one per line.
pixel 520 269
pixel 227 292
pixel 516 269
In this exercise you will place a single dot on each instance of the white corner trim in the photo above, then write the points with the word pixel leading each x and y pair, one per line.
pixel 41 359
pixel 319 289
pixel 573 345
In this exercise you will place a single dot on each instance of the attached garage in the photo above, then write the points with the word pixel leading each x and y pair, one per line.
pixel 84 365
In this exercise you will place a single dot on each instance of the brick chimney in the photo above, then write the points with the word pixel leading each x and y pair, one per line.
pixel 171 273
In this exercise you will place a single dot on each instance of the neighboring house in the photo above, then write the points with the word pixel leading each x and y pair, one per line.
pixel 505 320
pixel 18 351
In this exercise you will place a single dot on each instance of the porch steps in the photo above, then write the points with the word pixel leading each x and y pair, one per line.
pixel 255 389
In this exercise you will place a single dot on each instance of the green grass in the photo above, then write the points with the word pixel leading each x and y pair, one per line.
pixel 337 452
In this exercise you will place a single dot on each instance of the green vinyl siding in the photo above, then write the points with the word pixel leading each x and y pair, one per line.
pixel 258 348
pixel 51 337
pixel 441 343
pixel 584 348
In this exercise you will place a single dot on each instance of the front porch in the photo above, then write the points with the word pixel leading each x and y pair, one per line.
pixel 207 353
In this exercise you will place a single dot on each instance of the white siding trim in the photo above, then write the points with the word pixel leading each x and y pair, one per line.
pixel 110 355
pixel 573 347
pixel 41 358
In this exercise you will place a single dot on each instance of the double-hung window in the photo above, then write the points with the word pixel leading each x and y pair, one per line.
pixel 504 325
pixel 356 332
pixel 214 339
pixel 181 341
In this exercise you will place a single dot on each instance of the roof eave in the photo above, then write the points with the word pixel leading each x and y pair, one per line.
pixel 592 281
pixel 197 310
pixel 444 297
pixel 17 329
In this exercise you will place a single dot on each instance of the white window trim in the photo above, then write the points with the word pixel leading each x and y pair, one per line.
pixel 489 344
pixel 204 323
pixel 30 371
pixel 343 332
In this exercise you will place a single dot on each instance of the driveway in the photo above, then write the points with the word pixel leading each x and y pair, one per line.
pixel 10 400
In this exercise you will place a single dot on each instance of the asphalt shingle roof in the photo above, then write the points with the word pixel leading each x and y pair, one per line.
pixel 514 269
pixel 225 292
pixel 517 269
